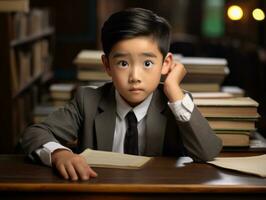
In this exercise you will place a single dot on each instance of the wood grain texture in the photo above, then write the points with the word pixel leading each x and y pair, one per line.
pixel 162 177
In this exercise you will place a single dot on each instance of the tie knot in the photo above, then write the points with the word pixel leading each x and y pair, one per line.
pixel 131 118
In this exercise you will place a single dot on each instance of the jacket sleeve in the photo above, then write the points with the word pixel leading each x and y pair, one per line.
pixel 61 126
pixel 200 141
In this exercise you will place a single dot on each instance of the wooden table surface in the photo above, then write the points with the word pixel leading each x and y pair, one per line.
pixel 161 177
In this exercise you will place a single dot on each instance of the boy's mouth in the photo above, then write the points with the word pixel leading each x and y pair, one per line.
pixel 135 90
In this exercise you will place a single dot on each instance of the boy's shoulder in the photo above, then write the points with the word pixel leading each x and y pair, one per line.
pixel 90 97
pixel 85 93
pixel 95 89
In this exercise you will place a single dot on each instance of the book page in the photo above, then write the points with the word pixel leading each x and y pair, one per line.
pixel 90 54
pixel 108 159
pixel 203 61
pixel 211 95
pixel 253 165
pixel 237 101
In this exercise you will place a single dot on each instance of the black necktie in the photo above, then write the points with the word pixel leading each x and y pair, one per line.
pixel 131 138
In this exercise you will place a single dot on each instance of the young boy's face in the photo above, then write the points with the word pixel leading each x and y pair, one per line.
pixel 135 66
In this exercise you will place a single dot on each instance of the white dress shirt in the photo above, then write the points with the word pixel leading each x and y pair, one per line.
pixel 181 109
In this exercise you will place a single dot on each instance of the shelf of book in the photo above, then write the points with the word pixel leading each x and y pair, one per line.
pixel 32 38
pixel 27 39
pixel 26 86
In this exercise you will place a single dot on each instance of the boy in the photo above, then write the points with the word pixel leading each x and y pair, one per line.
pixel 164 120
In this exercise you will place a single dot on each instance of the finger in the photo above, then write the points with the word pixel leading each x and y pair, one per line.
pixel 62 171
pixel 181 69
pixel 89 171
pixel 81 171
pixel 71 172
pixel 92 172
pixel 173 66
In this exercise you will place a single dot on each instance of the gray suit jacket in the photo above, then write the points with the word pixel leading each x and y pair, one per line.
pixel 90 119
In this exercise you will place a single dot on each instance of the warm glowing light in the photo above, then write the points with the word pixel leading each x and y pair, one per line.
pixel 258 14
pixel 235 12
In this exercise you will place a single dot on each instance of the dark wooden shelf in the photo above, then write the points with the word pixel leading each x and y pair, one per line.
pixel 17 42
pixel 47 76
pixel 23 88
pixel 43 77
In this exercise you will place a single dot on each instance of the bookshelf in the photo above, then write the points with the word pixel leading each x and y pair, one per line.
pixel 27 43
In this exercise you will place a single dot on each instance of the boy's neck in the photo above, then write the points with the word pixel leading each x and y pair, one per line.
pixel 122 107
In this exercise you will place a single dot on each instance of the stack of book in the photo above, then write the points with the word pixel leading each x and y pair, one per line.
pixel 211 95
pixel 234 90
pixel 90 67
pixel 232 119
pixel 203 74
pixel 61 93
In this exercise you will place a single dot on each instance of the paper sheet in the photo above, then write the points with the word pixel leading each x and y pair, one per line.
pixel 107 159
pixel 252 165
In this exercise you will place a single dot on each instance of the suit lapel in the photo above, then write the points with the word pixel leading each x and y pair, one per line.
pixel 156 124
pixel 105 121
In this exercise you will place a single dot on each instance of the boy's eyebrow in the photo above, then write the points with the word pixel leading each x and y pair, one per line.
pixel 149 54
pixel 121 54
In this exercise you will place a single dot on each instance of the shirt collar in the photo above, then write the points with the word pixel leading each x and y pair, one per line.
pixel 123 108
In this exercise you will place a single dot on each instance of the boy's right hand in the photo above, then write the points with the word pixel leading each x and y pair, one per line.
pixel 71 166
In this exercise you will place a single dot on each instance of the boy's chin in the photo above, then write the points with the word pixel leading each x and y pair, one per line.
pixel 134 102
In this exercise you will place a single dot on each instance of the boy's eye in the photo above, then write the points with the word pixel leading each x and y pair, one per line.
pixel 148 64
pixel 122 63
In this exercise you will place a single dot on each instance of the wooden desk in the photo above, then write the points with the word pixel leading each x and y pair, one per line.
pixel 162 178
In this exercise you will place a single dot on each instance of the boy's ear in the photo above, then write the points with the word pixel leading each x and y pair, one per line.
pixel 167 63
pixel 106 64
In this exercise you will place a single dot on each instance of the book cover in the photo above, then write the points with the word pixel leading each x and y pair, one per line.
pixel 234 138
pixel 89 75
pixel 89 58
pixel 237 107
pixel 232 124
pixel 62 91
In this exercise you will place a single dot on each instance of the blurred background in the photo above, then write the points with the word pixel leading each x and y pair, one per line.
pixel 200 28
pixel 231 29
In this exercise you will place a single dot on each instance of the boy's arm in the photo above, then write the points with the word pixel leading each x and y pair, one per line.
pixel 198 138
pixel 61 126
pixel 45 152
pixel 69 165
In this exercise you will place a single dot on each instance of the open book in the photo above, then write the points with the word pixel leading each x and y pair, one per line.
pixel 253 165
pixel 108 159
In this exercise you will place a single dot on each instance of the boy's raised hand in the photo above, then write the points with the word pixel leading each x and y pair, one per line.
pixel 172 81
pixel 71 166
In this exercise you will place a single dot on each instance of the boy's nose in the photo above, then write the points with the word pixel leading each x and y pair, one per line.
pixel 134 76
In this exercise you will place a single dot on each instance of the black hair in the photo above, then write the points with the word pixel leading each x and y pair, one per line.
pixel 134 22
